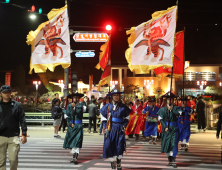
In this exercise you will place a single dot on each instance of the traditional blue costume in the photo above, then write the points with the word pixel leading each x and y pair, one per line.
pixel 151 127
pixel 184 129
pixel 114 141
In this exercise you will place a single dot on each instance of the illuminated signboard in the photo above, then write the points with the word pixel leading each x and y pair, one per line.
pixel 90 37
pixel 85 54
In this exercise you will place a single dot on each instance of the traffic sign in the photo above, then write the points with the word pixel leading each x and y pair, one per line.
pixel 90 37
pixel 85 54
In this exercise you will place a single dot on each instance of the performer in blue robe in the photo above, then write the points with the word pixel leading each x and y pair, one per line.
pixel 184 124
pixel 114 138
pixel 152 121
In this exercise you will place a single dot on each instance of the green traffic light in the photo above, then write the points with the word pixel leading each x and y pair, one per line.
pixel 40 10
pixel 6 1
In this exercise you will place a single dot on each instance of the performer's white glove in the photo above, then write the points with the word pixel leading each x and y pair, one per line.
pixel 135 112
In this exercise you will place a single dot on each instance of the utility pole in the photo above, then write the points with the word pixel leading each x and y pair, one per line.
pixel 66 71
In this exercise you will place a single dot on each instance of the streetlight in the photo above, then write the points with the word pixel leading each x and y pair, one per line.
pixel 36 83
pixel 220 84
pixel 201 84
pixel 187 64
pixel 148 83
pixel 32 16
pixel 61 85
pixel 113 83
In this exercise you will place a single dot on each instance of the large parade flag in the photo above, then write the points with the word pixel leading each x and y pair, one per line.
pixel 151 44
pixel 178 59
pixel 105 64
pixel 104 56
pixel 50 42
pixel 105 77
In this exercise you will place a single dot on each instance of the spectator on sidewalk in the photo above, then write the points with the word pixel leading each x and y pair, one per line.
pixel 219 125
pixel 93 112
pixel 57 116
pixel 92 98
pixel 64 116
pixel 201 114
pixel 56 97
pixel 11 116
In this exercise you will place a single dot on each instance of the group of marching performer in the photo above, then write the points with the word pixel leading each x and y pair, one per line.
pixel 166 118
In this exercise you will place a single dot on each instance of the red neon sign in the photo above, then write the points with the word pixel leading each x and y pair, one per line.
pixel 90 37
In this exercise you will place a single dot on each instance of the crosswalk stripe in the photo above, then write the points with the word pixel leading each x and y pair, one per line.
pixel 37 168
pixel 48 165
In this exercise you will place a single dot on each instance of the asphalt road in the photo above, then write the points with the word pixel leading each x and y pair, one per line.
pixel 44 152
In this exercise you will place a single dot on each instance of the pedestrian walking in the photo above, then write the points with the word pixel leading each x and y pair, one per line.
pixel 201 114
pixel 117 115
pixel 63 123
pixel 74 135
pixel 57 116
pixel 219 126
pixel 93 112
pixel 11 116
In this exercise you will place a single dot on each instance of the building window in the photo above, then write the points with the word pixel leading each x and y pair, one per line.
pixel 200 76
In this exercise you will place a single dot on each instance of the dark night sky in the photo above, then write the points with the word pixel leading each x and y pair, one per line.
pixel 203 42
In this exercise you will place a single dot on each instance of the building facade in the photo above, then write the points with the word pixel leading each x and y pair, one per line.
pixel 196 79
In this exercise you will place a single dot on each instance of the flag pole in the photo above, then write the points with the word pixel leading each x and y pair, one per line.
pixel 171 81
pixel 66 70
pixel 183 63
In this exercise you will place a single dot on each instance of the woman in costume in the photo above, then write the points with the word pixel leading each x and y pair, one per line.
pixel 184 124
pixel 137 120
pixel 117 115
pixel 168 116
pixel 74 135
pixel 151 121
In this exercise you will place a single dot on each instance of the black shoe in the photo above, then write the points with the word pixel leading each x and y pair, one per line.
pixel 182 145
pixel 57 136
pixel 118 162
pixel 130 136
pixel 74 160
pixel 113 165
pixel 173 162
pixel 137 138
pixel 95 132
pixel 186 149
pixel 154 141
pixel 170 161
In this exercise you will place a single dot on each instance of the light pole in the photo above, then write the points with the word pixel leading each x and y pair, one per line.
pixel 148 83
pixel 113 84
pixel 201 84
pixel 36 83
pixel 61 82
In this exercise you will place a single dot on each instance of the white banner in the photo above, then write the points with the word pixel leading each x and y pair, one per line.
pixel 52 44
pixel 154 41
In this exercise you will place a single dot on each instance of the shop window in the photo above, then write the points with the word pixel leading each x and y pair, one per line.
pixel 200 76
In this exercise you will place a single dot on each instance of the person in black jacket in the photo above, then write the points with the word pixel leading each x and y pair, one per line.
pixel 201 114
pixel 57 116
pixel 11 115
pixel 93 112
pixel 219 125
